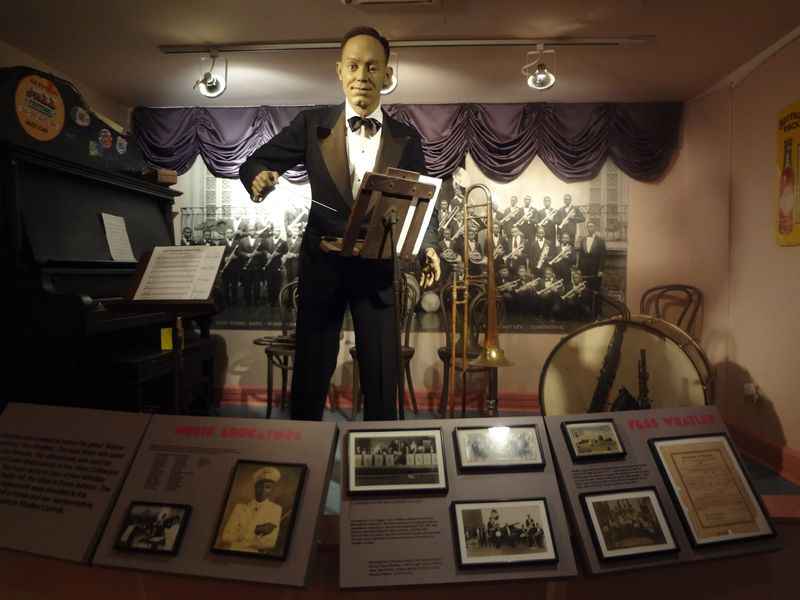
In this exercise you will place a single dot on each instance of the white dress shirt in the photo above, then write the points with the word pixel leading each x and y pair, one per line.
pixel 362 146
pixel 589 242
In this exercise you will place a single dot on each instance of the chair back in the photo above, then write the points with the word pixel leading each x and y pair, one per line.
pixel 287 301
pixel 411 294
pixel 675 303
pixel 478 313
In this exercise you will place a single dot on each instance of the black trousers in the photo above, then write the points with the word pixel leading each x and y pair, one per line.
pixel 329 283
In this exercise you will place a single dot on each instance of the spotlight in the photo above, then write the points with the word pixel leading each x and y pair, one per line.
pixel 394 62
pixel 212 85
pixel 540 78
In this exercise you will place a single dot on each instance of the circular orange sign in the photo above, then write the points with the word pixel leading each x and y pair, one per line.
pixel 40 108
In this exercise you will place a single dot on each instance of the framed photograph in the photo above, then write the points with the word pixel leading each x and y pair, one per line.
pixel 260 509
pixel 628 523
pixel 497 448
pixel 593 440
pixel 716 500
pixel 503 532
pixel 395 461
pixel 153 527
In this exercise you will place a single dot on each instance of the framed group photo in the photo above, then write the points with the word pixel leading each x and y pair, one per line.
pixel 593 440
pixel 498 448
pixel 153 527
pixel 386 461
pixel 715 499
pixel 503 532
pixel 260 509
pixel 628 523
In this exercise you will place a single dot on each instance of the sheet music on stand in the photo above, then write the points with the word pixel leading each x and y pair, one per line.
pixel 430 208
pixel 180 273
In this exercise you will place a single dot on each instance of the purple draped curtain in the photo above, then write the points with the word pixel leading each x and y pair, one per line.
pixel 573 140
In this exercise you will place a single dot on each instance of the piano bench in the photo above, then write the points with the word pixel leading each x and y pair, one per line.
pixel 166 381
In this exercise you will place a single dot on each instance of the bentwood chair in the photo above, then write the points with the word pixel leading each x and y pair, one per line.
pixel 411 294
pixel 280 349
pixel 676 303
pixel 477 328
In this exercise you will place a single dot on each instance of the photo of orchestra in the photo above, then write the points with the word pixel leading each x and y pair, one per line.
pixel 153 528
pixel 553 250
pixel 503 532
pixel 396 460
pixel 498 447
pixel 628 523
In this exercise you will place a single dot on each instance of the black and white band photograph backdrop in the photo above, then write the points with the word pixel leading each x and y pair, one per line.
pixel 555 244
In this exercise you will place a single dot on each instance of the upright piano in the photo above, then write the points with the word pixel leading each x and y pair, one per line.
pixel 76 338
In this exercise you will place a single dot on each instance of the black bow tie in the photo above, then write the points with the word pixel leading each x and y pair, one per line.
pixel 357 123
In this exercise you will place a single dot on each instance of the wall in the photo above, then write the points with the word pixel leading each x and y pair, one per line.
pixel 678 232
pixel 764 278
pixel 102 104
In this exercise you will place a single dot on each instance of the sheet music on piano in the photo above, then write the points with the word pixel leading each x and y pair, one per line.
pixel 180 273
pixel 119 243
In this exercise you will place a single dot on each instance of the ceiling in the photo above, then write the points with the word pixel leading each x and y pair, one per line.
pixel 112 45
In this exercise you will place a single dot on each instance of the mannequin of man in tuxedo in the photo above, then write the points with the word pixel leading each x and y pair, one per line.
pixel 338 146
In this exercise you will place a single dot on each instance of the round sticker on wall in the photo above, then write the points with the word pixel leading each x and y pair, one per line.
pixel 40 108
pixel 81 116
pixel 121 145
pixel 106 139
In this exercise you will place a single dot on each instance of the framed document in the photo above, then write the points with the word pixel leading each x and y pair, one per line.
pixel 628 523
pixel 717 503
pixel 393 460
pixel 503 532
pixel 593 440
pixel 260 509
pixel 153 527
pixel 498 448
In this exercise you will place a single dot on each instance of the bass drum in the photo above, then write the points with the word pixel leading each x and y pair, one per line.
pixel 599 368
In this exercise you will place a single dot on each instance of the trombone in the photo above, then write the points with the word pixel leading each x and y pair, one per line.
pixel 492 355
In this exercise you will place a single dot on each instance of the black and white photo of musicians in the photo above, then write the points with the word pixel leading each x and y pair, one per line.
pixel 553 250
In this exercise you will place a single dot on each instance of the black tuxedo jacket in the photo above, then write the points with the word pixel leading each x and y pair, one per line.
pixel 317 139
pixel 591 263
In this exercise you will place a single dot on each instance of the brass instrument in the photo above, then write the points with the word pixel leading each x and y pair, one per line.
pixel 230 258
pixel 575 291
pixel 543 256
pixel 446 221
pixel 512 214
pixel 566 217
pixel 515 253
pixel 528 285
pixel 560 256
pixel 251 255
pixel 492 355
pixel 508 286
pixel 547 218
pixel 303 213
pixel 550 288
pixel 527 215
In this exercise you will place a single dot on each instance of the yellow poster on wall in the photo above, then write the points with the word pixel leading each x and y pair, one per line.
pixel 788 209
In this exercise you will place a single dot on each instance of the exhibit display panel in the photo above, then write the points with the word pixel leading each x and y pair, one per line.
pixel 221 497
pixel 656 487
pixel 450 501
pixel 60 471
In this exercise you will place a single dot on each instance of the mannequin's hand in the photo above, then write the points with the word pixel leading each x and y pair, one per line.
pixel 432 270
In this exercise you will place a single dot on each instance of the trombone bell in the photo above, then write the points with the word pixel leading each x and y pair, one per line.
pixel 492 356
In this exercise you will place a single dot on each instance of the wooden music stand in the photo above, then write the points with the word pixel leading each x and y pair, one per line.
pixel 386 199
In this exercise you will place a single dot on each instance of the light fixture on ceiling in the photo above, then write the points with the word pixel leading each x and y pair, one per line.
pixel 540 77
pixel 394 63
pixel 212 85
